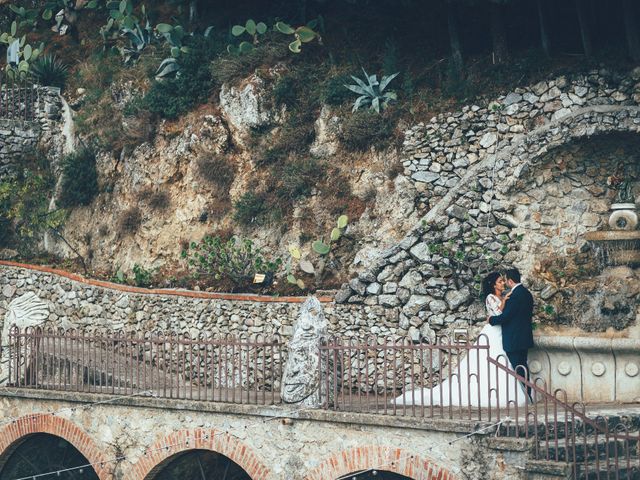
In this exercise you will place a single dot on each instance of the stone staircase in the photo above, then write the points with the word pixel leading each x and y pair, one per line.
pixel 610 451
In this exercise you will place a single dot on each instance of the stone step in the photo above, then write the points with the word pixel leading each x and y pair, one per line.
pixel 545 426
pixel 548 470
pixel 602 449
pixel 622 472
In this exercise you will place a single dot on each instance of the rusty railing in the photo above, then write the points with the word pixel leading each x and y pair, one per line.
pixel 210 368
pixel 19 96
pixel 594 448
pixel 446 379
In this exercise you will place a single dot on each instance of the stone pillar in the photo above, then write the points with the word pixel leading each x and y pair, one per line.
pixel 301 376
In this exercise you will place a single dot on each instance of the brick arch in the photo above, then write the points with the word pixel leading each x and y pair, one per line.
pixel 391 459
pixel 12 434
pixel 198 439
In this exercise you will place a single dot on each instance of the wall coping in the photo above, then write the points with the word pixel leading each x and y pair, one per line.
pixel 269 411
pixel 586 343
pixel 243 297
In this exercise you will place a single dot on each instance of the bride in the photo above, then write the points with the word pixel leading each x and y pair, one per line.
pixel 476 382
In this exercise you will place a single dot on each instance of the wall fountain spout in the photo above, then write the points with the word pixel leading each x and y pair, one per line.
pixel 621 244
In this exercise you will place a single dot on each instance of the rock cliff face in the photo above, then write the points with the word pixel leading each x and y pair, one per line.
pixel 124 225
pixel 509 181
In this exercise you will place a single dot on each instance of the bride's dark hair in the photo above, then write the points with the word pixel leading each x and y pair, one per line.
pixel 488 283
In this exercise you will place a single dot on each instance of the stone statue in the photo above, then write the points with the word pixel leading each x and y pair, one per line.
pixel 300 379
pixel 25 311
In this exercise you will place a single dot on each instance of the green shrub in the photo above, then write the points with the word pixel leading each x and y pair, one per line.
pixel 141 276
pixel 79 183
pixel 234 259
pixel 172 97
pixel 333 91
pixel 24 210
pixel 250 209
pixel 366 128
pixel 295 179
pixel 50 71
pixel 216 170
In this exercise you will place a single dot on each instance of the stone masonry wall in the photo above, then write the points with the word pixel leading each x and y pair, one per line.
pixel 474 169
pixel 20 136
pixel 269 443
pixel 76 304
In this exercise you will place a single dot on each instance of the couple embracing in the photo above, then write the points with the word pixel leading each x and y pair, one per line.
pixel 509 334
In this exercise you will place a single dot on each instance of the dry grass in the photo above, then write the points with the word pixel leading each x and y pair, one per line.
pixel 130 221
pixel 219 171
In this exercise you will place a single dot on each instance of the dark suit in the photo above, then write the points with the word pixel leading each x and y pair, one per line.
pixel 517 334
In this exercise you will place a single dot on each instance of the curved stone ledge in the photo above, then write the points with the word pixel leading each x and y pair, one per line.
pixel 588 369
pixel 244 297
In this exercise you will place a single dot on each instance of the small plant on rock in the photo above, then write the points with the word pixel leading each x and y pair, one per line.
pixel 322 248
pixel 303 34
pixel 236 260
pixel 130 221
pixel 251 28
pixel 251 209
pixel 50 71
pixel 372 92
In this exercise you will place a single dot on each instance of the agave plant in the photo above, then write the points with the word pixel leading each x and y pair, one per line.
pixel 50 70
pixel 372 92
pixel 139 38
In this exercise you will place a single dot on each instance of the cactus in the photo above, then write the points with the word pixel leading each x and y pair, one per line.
pixel 28 16
pixel 20 54
pixel 174 36
pixel 251 28
pixel 319 247
pixel 302 34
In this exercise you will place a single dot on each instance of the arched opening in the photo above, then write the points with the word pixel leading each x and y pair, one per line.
pixel 374 475
pixel 198 465
pixel 394 464
pixel 41 453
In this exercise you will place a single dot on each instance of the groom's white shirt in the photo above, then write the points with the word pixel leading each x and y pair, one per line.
pixel 515 286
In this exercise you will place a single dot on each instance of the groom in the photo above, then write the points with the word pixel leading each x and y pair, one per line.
pixel 515 319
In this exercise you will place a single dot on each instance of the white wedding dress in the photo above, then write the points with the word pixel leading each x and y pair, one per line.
pixel 474 382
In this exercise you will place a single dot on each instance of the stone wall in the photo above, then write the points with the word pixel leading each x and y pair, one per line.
pixel 269 443
pixel 88 304
pixel 503 184
pixel 21 136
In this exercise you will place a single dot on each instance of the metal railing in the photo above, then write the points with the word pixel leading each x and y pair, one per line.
pixel 445 379
pixel 594 448
pixel 210 368
pixel 19 97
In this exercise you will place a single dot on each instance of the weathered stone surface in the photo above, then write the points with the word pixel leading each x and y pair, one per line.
pixel 456 298
pixel 246 107
pixel 415 304
pixel 300 378
pixel 411 280
pixel 28 310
